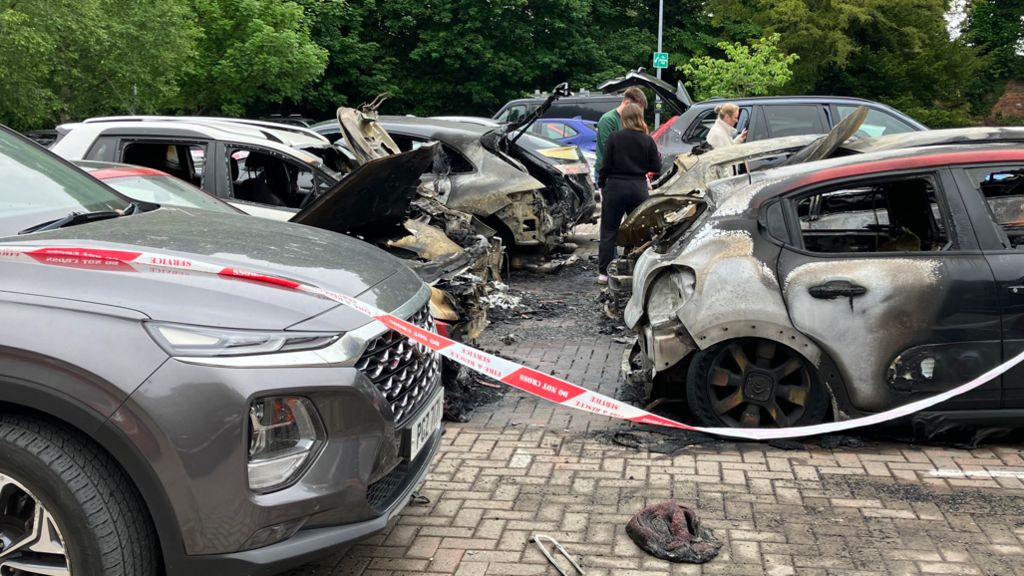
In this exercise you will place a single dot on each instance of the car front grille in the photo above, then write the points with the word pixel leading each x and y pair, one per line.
pixel 405 372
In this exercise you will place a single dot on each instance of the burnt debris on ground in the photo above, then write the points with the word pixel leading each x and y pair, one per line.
pixel 549 306
pixel 465 391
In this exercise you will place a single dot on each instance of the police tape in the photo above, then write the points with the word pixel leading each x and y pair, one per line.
pixel 546 386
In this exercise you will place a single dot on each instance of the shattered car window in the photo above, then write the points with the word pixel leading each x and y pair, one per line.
pixel 903 215
pixel 1003 189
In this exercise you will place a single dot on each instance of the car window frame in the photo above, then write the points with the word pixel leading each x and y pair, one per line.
pixel 123 141
pixel 834 109
pixel 960 230
pixel 982 221
pixel 227 148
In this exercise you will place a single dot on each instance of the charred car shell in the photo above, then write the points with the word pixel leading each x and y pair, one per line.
pixel 874 312
pixel 532 192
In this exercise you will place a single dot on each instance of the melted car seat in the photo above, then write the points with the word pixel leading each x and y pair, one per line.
pixel 257 188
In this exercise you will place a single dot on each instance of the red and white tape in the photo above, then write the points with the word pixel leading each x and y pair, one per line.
pixel 527 379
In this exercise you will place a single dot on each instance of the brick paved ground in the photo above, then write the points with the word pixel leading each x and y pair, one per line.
pixel 523 466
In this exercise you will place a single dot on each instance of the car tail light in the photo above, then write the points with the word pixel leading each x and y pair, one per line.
pixel 285 434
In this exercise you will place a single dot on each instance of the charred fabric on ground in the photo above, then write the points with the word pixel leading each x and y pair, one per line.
pixel 673 532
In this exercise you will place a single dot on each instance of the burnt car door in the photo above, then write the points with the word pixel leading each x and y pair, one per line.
pixel 884 273
pixel 994 195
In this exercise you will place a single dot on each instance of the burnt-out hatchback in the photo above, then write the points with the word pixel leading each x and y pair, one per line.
pixel 840 288
pixel 157 419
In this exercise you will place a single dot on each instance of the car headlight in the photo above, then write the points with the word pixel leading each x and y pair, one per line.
pixel 184 340
pixel 668 293
pixel 284 434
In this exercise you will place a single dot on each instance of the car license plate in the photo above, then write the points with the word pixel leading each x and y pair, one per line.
pixel 420 430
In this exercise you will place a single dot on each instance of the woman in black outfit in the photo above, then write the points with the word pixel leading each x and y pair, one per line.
pixel 628 156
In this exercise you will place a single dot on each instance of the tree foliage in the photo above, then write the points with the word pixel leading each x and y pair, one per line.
pixel 249 52
pixel 996 28
pixel 67 59
pixel 754 70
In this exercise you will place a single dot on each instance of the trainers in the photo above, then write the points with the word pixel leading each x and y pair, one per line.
pixel 602 279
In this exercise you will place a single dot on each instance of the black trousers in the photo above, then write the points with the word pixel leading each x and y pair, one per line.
pixel 618 198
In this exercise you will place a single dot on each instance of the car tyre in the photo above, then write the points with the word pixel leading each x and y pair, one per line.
pixel 754 383
pixel 67 508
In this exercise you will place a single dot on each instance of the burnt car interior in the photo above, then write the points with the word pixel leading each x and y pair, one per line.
pixel 899 215
pixel 1004 195
pixel 264 178
pixel 175 159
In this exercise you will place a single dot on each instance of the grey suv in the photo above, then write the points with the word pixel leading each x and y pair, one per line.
pixel 157 420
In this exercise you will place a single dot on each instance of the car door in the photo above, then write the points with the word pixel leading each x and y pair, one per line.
pixel 884 273
pixel 994 195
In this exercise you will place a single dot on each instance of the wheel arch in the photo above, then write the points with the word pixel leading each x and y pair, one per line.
pixel 48 405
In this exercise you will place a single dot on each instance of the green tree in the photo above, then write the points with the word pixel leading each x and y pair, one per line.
pixel 27 101
pixel 65 59
pixel 996 28
pixel 249 53
pixel 357 68
pixel 754 70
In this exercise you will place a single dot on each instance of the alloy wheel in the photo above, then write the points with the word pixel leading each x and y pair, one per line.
pixel 754 383
pixel 31 543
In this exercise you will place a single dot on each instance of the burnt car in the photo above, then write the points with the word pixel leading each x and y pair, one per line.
pixel 159 419
pixel 840 288
pixel 530 190
pixel 290 173
pixel 677 192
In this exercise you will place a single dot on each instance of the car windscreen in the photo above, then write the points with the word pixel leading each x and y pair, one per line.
pixel 37 186
pixel 165 190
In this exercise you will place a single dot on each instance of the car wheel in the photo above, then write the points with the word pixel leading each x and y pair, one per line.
pixel 66 508
pixel 754 383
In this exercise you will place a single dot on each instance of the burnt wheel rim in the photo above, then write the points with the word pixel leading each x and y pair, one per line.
pixel 758 383
pixel 31 543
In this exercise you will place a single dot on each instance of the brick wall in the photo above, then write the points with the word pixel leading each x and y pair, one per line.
pixel 1012 102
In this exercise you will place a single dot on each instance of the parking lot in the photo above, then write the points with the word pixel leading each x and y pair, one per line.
pixel 829 505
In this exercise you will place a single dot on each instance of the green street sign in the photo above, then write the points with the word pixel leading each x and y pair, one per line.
pixel 661 59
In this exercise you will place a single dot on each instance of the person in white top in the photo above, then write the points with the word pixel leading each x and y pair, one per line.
pixel 723 132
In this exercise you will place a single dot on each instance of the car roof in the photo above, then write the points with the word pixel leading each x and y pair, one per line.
pixel 433 125
pixel 768 184
pixel 287 134
pixel 81 135
pixel 973 135
pixel 801 98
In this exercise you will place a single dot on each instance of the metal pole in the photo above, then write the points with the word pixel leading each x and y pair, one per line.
pixel 657 99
